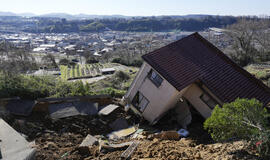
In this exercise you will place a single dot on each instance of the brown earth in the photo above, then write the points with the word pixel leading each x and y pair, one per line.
pixel 182 149
pixel 59 139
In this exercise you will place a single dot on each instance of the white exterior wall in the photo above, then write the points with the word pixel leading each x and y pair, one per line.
pixel 161 98
pixel 141 75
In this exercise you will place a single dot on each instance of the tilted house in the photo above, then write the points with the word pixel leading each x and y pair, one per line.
pixel 190 72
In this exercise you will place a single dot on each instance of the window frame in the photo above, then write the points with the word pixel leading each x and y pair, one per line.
pixel 210 99
pixel 157 79
pixel 140 100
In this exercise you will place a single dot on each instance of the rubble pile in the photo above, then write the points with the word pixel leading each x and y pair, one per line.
pixel 151 148
pixel 60 138
pixel 113 133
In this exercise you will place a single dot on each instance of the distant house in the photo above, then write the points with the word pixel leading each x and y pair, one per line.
pixel 190 73
pixel 105 71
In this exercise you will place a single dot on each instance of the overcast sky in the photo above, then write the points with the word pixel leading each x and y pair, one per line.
pixel 140 7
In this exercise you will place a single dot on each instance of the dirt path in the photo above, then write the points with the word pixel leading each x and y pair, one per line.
pixel 90 80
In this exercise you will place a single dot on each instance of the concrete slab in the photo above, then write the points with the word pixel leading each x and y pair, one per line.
pixel 20 107
pixel 62 110
pixel 12 145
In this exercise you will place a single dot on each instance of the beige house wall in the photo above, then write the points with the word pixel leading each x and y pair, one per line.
pixel 137 82
pixel 193 96
pixel 161 98
pixel 212 95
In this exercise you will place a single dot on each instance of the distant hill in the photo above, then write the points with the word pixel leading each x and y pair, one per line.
pixel 63 15
pixel 26 14
pixel 57 15
pixel 93 16
pixel 65 23
pixel 7 14
pixel 81 16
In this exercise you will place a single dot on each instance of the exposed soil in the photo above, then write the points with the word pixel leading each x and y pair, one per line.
pixel 59 139
pixel 182 149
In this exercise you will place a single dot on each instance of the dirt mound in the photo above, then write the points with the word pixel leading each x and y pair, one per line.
pixel 60 139
pixel 183 149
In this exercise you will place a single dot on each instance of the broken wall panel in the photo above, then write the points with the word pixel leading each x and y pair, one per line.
pixel 20 107
pixel 101 99
pixel 62 110
pixel 42 104
pixel 12 145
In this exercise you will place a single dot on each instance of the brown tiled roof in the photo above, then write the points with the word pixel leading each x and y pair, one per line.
pixel 193 58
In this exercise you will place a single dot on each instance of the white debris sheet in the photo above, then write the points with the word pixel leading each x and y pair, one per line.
pixel 12 145
pixel 107 109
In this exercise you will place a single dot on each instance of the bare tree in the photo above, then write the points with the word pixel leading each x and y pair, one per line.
pixel 14 59
pixel 249 40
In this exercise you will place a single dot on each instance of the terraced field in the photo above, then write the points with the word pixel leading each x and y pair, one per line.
pixel 260 71
pixel 84 71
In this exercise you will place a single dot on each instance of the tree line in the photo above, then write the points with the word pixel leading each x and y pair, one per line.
pixel 136 24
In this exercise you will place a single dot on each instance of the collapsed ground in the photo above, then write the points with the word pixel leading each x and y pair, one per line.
pixel 60 138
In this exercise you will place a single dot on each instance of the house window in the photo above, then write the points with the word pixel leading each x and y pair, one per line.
pixel 155 78
pixel 140 102
pixel 207 99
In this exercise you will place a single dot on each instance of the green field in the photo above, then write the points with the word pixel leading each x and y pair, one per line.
pixel 261 72
pixel 82 71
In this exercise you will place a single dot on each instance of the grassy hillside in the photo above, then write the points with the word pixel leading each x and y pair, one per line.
pixel 261 72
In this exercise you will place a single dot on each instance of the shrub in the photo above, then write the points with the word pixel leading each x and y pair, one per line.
pixel 137 63
pixel 134 62
pixel 28 87
pixel 242 119
pixel 64 61
pixel 118 60
pixel 61 89
pixel 113 92
pixel 122 76
pixel 33 87
pixel 92 60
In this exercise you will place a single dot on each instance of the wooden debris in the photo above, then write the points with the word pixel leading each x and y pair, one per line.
pixel 128 152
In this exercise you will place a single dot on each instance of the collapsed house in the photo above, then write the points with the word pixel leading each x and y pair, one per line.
pixel 190 73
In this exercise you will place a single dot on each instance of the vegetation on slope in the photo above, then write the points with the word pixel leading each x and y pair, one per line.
pixel 243 119
pixel 33 87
